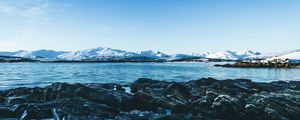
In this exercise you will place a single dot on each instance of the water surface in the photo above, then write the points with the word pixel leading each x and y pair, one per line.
pixel 40 74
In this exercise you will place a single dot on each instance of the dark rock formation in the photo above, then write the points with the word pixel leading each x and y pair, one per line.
pixel 206 98
pixel 259 65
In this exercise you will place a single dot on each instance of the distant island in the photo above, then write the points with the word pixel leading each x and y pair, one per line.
pixel 245 58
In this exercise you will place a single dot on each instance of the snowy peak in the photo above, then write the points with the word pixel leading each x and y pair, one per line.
pixel 226 55
pixel 247 53
pixel 273 55
pixel 39 54
pixel 10 53
pixel 152 54
pixel 184 56
pixel 230 55
pixel 99 53
pixel 291 55
pixel 110 54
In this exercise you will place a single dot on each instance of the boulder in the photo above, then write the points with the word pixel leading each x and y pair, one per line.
pixel 178 90
pixel 226 107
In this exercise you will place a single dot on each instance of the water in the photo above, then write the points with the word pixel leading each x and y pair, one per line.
pixel 40 74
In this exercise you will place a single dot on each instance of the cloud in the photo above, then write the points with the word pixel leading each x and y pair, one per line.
pixel 35 10
pixel 33 14
pixel 27 8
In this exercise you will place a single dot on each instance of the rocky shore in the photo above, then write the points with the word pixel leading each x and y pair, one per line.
pixel 258 65
pixel 206 98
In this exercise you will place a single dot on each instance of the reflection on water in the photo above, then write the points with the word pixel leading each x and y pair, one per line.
pixel 40 74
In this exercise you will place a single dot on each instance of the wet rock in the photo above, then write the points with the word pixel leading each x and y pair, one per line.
pixel 6 113
pixel 205 98
pixel 2 99
pixel 14 101
pixel 295 85
pixel 120 88
pixel 16 92
pixel 37 112
pixel 169 117
pixel 103 97
pixel 252 112
pixel 178 90
pixel 143 102
pixel 180 109
pixel 226 107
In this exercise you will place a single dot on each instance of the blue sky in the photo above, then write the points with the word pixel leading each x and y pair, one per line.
pixel 170 26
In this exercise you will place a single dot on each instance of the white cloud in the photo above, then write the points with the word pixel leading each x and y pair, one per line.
pixel 27 8
pixel 33 13
pixel 34 10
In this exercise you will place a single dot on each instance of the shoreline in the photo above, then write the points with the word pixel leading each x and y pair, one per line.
pixel 206 98
pixel 259 65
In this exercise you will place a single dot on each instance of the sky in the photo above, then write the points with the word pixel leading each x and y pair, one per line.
pixel 171 26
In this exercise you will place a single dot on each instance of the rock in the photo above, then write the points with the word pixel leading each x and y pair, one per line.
pixel 226 107
pixel 103 97
pixel 178 90
pixel 16 92
pixel 37 112
pixel 6 113
pixel 140 101
pixel 211 95
pixel 2 99
pixel 270 114
pixel 180 109
pixel 169 117
pixel 14 101
pixel 205 98
pixel 120 88
pixel 252 112
pixel 295 85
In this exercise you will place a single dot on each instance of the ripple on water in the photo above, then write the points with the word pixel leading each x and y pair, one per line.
pixel 35 74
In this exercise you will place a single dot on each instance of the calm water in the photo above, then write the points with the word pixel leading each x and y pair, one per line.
pixel 40 74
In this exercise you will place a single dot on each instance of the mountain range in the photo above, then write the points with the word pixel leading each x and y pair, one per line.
pixel 110 54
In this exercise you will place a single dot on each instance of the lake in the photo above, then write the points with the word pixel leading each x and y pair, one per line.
pixel 40 74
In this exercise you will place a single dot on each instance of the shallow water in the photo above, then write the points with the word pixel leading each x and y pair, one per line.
pixel 40 74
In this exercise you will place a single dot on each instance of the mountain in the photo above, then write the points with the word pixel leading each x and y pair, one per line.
pixel 5 53
pixel 184 56
pixel 152 54
pixel 246 53
pixel 110 54
pixel 292 56
pixel 273 55
pixel 229 55
pixel 39 54
pixel 99 53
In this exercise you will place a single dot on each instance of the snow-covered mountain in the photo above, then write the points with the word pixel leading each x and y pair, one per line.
pixel 184 56
pixel 110 54
pixel 152 54
pixel 5 53
pixel 273 55
pixel 229 55
pixel 39 54
pixel 99 53
pixel 292 56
